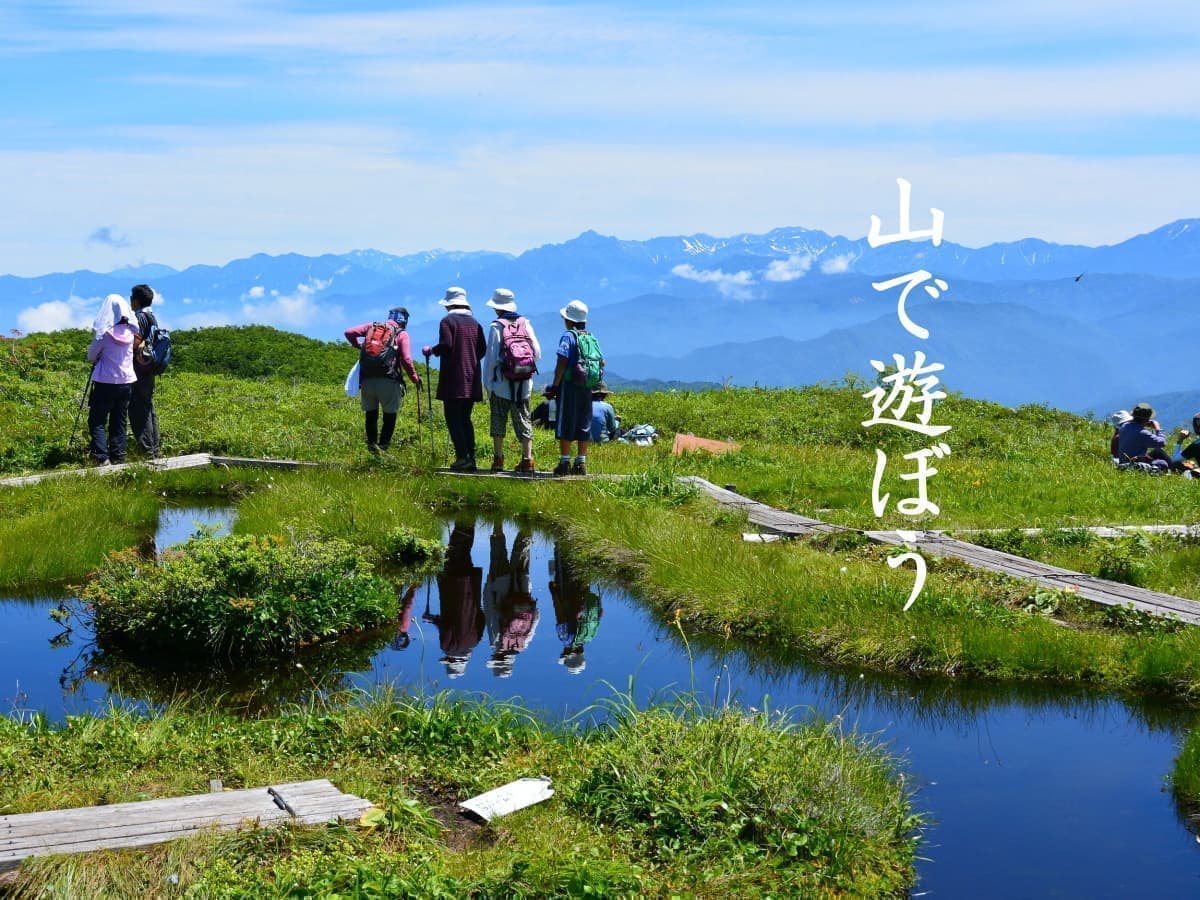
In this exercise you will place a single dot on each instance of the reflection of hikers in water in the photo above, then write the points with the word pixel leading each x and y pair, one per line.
pixel 510 608
pixel 460 585
pixel 402 640
pixel 576 610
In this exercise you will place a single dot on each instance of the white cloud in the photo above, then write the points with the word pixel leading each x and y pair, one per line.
pixel 794 267
pixel 294 311
pixel 55 315
pixel 838 264
pixel 256 292
pixel 735 285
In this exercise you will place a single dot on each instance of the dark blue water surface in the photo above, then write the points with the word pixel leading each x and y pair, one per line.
pixel 1030 792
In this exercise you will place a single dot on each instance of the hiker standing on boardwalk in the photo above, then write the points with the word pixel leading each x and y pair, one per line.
pixel 577 371
pixel 143 420
pixel 383 350
pixel 111 353
pixel 508 368
pixel 460 347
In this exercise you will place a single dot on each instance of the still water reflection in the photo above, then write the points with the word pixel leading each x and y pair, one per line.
pixel 1033 792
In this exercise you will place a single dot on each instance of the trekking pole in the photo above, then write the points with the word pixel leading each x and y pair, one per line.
pixel 418 417
pixel 79 412
pixel 429 406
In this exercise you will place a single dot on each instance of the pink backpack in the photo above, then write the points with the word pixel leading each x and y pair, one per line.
pixel 517 360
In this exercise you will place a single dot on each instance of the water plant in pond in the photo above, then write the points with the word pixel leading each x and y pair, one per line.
pixel 236 596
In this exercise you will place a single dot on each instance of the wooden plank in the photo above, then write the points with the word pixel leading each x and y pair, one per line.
pixel 163 808
pixel 251 463
pixel 155 821
pixel 190 461
pixel 939 543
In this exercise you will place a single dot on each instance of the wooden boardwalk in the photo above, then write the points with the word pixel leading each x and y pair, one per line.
pixel 156 821
pixel 189 461
pixel 1109 593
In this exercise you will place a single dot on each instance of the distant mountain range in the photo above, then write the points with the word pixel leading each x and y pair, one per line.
pixel 1027 321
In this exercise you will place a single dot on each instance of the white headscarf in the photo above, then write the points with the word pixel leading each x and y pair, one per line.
pixel 113 309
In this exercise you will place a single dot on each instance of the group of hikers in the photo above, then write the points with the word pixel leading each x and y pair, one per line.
pixel 503 361
pixel 503 606
pixel 127 352
pixel 1138 441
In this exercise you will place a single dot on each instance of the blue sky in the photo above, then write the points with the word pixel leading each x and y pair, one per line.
pixel 198 132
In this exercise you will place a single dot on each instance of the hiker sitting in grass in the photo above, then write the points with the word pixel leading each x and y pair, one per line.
pixel 508 368
pixel 383 350
pixel 1119 418
pixel 545 415
pixel 605 425
pixel 1141 439
pixel 576 372
pixel 1190 453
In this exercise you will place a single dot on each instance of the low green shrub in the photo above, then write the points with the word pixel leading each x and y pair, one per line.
pixel 236 596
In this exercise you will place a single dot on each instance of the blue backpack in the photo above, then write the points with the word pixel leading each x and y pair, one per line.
pixel 153 355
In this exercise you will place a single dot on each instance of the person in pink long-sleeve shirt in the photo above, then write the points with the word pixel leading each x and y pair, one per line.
pixel 382 384
pixel 111 355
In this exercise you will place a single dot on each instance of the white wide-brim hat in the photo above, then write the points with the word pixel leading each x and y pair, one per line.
pixel 1120 417
pixel 503 300
pixel 575 311
pixel 455 296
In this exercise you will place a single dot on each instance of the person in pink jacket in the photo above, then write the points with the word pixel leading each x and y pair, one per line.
pixel 111 355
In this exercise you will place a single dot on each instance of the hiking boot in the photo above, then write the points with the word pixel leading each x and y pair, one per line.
pixel 497 464
pixel 467 464
pixel 525 467
pixel 563 468
pixel 373 449
pixel 578 468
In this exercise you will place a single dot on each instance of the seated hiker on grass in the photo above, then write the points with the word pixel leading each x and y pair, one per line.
pixel 1190 453
pixel 605 424
pixel 508 369
pixel 383 350
pixel 545 414
pixel 1119 418
pixel 1141 439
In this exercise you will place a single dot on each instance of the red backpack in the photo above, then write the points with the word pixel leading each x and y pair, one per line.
pixel 517 359
pixel 379 349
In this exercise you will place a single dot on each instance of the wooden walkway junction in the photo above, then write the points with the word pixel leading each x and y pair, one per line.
pixel 157 821
pixel 1109 593
pixel 190 461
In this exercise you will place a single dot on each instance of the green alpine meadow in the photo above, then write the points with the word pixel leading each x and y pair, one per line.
pixel 674 798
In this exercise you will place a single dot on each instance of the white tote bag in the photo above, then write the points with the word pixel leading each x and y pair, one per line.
pixel 352 382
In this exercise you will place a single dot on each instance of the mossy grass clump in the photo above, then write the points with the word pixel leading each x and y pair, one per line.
pixel 236 596
pixel 685 785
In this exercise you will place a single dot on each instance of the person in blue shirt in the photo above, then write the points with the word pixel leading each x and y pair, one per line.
pixel 574 423
pixel 605 426
pixel 1142 437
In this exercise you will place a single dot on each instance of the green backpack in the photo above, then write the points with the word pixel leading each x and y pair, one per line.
pixel 589 370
